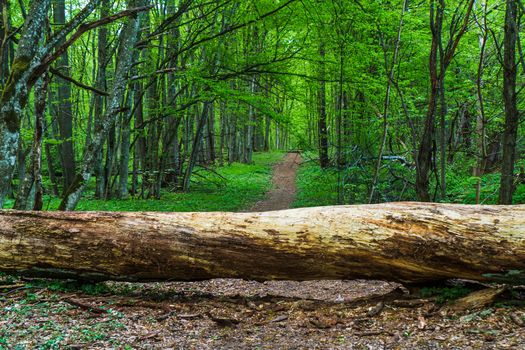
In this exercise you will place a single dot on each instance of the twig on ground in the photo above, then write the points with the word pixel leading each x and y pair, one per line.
pixel 83 306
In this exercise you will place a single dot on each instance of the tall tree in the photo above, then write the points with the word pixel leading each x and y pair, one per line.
pixel 509 96
pixel 439 60
pixel 324 160
pixel 62 105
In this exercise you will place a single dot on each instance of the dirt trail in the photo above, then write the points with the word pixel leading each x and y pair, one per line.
pixel 282 194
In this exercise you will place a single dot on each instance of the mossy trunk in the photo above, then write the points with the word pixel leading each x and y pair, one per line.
pixel 407 242
pixel 15 92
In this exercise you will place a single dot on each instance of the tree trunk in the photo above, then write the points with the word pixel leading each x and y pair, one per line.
pixel 201 123
pixel 100 100
pixel 481 119
pixel 31 192
pixel 425 152
pixel 511 111
pixel 390 70
pixel 63 108
pixel 15 93
pixel 324 161
pixel 407 242
pixel 125 138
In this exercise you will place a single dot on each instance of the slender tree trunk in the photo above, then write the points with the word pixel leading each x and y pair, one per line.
pixel 195 149
pixel 249 129
pixel 108 166
pixel 6 45
pixel 511 111
pixel 125 137
pixel 442 134
pixel 36 161
pixel 30 194
pixel 223 131
pixel 63 107
pixel 100 101
pixel 480 120
pixel 324 161
pixel 425 152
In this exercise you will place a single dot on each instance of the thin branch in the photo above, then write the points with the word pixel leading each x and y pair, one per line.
pixel 76 82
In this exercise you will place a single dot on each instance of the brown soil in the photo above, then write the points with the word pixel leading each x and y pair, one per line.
pixel 282 194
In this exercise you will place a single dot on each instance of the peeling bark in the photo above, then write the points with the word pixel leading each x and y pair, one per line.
pixel 407 242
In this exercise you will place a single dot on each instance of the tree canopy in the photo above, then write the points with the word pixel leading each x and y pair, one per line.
pixel 404 100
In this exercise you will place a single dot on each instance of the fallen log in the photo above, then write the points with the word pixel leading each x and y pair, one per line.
pixel 407 242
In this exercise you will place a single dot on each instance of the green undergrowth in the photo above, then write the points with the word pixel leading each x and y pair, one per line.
pixel 231 187
pixel 315 186
pixel 445 294
pixel 319 187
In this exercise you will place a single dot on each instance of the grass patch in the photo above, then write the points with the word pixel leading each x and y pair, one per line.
pixel 232 187
pixel 315 186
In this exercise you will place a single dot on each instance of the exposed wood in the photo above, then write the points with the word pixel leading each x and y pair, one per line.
pixel 477 300
pixel 408 242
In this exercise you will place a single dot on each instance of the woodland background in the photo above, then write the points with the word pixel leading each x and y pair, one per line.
pixel 151 99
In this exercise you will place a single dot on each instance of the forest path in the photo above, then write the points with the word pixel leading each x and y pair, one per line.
pixel 283 191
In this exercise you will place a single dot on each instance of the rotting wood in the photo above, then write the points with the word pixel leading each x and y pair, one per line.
pixel 406 242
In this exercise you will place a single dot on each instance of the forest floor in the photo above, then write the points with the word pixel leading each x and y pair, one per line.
pixel 238 314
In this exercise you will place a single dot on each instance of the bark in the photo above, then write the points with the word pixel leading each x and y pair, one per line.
pixel 511 111
pixel 249 127
pixel 6 45
pixel 125 143
pixel 192 161
pixel 424 160
pixel 31 192
pixel 407 242
pixel 15 92
pixel 481 119
pixel 445 54
pixel 324 161
pixel 63 107
pixel 100 100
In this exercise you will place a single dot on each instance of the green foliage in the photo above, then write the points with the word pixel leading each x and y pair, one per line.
pixel 67 286
pixel 513 277
pixel 6 278
pixel 315 186
pixel 351 184
pixel 445 294
pixel 229 188
pixel 461 186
